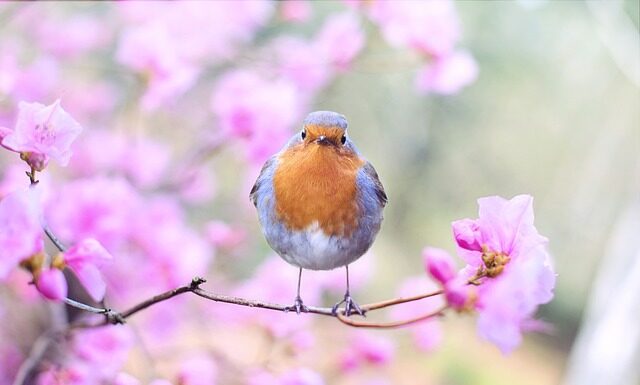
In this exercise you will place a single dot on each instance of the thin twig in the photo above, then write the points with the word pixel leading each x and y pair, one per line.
pixel 397 301
pixel 56 242
pixel 389 325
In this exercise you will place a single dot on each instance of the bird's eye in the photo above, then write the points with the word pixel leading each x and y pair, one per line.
pixel 343 140
pixel 304 134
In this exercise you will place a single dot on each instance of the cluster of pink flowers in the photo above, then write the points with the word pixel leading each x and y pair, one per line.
pixel 508 261
pixel 432 29
pixel 140 218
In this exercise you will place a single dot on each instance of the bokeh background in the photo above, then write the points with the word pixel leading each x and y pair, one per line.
pixel 553 112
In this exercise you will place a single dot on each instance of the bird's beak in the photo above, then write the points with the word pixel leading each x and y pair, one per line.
pixel 322 140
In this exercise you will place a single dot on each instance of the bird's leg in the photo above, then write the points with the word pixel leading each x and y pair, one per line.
pixel 349 304
pixel 298 306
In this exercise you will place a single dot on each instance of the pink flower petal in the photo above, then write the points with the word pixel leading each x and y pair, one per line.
pixel 52 284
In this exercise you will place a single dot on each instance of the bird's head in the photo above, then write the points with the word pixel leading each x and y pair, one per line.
pixel 325 128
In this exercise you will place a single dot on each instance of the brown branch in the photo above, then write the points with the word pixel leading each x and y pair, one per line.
pixel 389 325
pixel 113 317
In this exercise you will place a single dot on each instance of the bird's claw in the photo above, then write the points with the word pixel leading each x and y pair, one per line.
pixel 350 306
pixel 298 306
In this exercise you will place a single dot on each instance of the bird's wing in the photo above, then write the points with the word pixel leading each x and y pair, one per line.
pixel 378 189
pixel 253 195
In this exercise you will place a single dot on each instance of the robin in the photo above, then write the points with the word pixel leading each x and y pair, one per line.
pixel 319 202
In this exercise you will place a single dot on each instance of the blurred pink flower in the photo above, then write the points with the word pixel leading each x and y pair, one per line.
pixel 427 335
pixel 69 375
pixel 365 347
pixel 52 284
pixel 104 349
pixel 10 360
pixel 43 131
pixel 260 112
pixel 301 62
pixel 431 27
pixel 301 376
pixel 99 207
pixel 448 74
pixel 145 161
pixel 174 252
pixel 84 259
pixel 13 178
pixel 70 36
pixel 296 11
pixel 125 379
pixel 340 40
pixel 152 50
pixel 197 370
pixel 222 235
pixel 20 230
pixel 514 258
pixel 89 157
pixel 439 264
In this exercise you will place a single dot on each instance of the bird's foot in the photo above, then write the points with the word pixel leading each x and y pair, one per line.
pixel 350 306
pixel 298 306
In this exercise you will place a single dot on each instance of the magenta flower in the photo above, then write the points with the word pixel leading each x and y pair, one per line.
pixel 52 284
pixel 340 40
pixel 367 348
pixel 439 264
pixel 515 263
pixel 447 75
pixel 431 27
pixel 42 133
pixel 20 230
pixel 84 259
pixel 261 112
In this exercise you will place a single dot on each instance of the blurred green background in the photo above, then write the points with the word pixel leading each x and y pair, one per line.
pixel 554 113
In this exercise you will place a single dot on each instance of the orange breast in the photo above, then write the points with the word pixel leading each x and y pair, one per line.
pixel 316 183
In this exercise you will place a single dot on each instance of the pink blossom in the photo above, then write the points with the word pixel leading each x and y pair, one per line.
pixel 125 379
pixel 340 40
pixel 84 259
pixel 459 294
pixel 504 226
pixel 427 335
pixel 52 284
pixel 301 376
pixel 366 347
pixel 145 161
pixel 517 266
pixel 43 131
pixel 197 370
pixel 439 264
pixel 448 74
pixel 176 251
pixel 222 235
pixel 103 349
pixel 151 50
pixel 296 11
pixel 20 230
pixel 89 157
pixel 98 207
pixel 260 112
pixel 301 62
pixel 70 375
pixel 432 27
pixel 72 36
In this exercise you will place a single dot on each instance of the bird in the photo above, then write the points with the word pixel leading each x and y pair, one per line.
pixel 319 202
